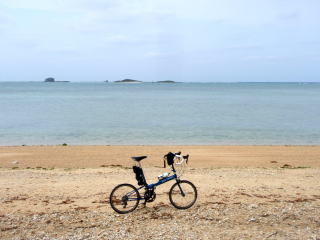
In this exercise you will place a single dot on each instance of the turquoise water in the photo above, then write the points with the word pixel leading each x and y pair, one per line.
pixel 151 113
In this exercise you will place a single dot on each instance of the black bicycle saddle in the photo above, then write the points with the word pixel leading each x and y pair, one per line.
pixel 138 159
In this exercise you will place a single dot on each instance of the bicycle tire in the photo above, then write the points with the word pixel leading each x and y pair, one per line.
pixel 186 183
pixel 114 201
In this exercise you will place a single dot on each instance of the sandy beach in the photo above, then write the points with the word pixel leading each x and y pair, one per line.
pixel 200 156
pixel 245 192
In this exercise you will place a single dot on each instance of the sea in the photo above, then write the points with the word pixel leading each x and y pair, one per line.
pixel 39 113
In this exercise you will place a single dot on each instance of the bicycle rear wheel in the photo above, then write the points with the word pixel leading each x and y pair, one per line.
pixel 183 195
pixel 124 198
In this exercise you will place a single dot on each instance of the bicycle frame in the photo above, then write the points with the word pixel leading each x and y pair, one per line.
pixel 164 180
pixel 152 185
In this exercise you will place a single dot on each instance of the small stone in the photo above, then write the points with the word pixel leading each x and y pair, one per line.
pixel 252 219
pixel 15 162
pixel 252 206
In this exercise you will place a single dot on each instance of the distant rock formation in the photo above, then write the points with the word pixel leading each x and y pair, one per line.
pixel 50 79
pixel 128 81
pixel 166 81
pixel 106 81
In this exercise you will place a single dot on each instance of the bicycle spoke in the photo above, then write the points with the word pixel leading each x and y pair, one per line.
pixel 124 198
pixel 183 195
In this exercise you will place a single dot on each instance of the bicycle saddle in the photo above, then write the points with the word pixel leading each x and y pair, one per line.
pixel 138 159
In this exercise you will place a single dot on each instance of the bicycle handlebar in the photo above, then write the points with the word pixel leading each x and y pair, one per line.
pixel 182 158
pixel 175 156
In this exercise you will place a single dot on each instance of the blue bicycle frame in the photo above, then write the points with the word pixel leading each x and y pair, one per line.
pixel 164 180
pixel 152 185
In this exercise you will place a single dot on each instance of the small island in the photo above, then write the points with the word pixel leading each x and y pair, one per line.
pixel 128 81
pixel 51 80
pixel 166 81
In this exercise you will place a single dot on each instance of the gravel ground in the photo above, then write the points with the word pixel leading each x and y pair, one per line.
pixel 282 220
pixel 232 204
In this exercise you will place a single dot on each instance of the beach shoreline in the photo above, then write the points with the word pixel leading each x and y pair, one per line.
pixel 200 156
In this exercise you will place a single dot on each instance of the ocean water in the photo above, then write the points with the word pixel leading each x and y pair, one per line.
pixel 153 113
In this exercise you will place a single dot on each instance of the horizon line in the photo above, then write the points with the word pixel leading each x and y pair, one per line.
pixel 163 80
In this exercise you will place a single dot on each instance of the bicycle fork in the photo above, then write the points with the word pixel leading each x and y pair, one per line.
pixel 178 182
pixel 181 191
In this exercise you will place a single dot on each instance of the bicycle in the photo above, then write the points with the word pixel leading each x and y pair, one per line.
pixel 125 198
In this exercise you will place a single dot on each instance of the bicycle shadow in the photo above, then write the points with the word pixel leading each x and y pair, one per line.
pixel 158 211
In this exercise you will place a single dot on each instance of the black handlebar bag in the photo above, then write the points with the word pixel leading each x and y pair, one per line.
pixel 170 159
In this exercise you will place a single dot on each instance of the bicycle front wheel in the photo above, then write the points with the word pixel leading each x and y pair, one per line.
pixel 124 198
pixel 183 194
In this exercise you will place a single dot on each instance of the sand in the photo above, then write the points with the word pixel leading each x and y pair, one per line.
pixel 200 156
pixel 243 193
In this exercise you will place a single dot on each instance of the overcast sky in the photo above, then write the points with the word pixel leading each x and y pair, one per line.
pixel 150 40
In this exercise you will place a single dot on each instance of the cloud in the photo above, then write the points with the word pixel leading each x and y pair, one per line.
pixel 165 31
pixel 2 22
pixel 289 16
pixel 310 42
pixel 44 5
pixel 261 57
pixel 3 19
pixel 244 47
pixel 157 54
pixel 6 23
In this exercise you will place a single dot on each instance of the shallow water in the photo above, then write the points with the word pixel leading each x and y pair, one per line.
pixel 152 113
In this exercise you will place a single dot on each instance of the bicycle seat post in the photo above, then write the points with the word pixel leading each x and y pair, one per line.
pixel 139 165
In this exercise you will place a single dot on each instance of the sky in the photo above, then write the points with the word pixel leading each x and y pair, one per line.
pixel 152 40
